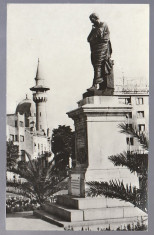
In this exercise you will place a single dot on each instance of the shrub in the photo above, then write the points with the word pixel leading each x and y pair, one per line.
pixel 19 204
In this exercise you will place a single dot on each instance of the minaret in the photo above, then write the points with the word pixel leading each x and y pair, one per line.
pixel 40 99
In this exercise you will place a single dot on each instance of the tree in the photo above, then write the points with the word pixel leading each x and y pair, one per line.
pixel 40 181
pixel 43 180
pixel 12 154
pixel 63 147
pixel 135 162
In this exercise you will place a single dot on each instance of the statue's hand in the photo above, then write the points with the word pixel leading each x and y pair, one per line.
pixel 94 34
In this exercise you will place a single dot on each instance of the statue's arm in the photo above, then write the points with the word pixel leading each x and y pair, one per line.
pixel 95 33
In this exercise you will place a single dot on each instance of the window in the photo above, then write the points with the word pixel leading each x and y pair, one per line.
pixel 16 138
pixel 40 114
pixel 21 124
pixel 127 100
pixel 130 140
pixel 129 115
pixel 12 137
pixel 139 100
pixel 140 114
pixel 141 127
pixel 38 146
pixel 21 138
pixel 16 123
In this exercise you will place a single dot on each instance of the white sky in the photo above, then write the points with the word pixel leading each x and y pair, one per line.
pixel 57 35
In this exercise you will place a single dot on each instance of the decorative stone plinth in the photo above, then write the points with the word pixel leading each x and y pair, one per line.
pixel 98 137
pixel 90 212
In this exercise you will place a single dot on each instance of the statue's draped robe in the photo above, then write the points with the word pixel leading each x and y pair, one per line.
pixel 99 39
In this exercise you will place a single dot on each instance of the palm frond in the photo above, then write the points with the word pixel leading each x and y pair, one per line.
pixel 116 189
pixel 142 138
pixel 134 162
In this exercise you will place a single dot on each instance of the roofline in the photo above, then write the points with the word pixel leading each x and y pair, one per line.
pixel 13 114
pixel 130 94
pixel 35 88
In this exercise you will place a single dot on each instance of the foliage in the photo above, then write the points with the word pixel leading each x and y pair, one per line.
pixel 140 164
pixel 139 226
pixel 20 204
pixel 40 180
pixel 63 146
pixel 114 189
pixel 141 137
pixel 12 154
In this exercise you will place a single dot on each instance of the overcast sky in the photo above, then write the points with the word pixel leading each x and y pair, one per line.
pixel 57 35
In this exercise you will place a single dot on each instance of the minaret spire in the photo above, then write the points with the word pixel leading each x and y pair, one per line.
pixel 37 72
pixel 40 98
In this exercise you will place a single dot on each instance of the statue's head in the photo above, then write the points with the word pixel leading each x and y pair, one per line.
pixel 94 18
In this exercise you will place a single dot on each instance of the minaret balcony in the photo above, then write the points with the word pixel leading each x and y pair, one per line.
pixel 39 97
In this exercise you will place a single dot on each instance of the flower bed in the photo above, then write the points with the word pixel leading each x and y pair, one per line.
pixel 20 204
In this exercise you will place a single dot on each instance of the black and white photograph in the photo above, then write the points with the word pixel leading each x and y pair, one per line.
pixel 77 122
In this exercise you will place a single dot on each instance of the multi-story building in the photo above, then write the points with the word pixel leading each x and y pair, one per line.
pixel 138 118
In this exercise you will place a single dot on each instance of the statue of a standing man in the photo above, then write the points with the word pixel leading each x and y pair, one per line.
pixel 101 50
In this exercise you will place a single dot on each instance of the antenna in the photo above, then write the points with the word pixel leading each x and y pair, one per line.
pixel 123 79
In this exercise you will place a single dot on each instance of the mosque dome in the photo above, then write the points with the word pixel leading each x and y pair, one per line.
pixel 26 106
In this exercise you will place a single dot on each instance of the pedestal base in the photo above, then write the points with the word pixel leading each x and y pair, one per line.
pixel 88 212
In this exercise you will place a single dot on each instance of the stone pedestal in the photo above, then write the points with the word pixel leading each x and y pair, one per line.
pixel 98 137
pixel 90 212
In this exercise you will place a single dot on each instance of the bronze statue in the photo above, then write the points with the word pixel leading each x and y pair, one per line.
pixel 101 50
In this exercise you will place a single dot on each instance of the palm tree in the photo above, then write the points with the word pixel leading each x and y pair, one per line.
pixel 40 181
pixel 135 162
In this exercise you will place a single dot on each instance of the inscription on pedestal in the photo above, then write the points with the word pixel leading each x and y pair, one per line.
pixel 81 141
pixel 75 184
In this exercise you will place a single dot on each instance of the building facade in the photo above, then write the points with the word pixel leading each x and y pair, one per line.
pixel 138 118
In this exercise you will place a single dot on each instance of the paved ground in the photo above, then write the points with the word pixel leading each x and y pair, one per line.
pixel 27 221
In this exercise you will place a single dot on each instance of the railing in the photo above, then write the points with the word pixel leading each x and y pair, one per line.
pixel 131 89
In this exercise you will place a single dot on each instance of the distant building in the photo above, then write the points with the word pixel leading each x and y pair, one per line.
pixel 27 127
pixel 138 118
